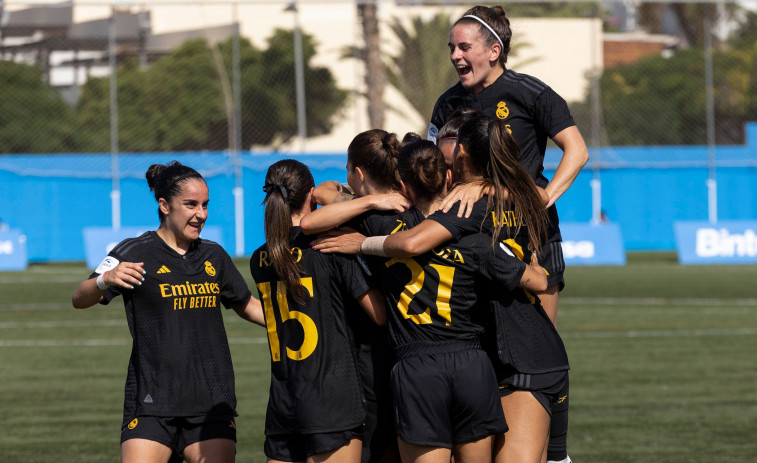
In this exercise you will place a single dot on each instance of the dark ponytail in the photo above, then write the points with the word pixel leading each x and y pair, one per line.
pixel 165 180
pixel 493 153
pixel 375 152
pixel 287 184
pixel 421 166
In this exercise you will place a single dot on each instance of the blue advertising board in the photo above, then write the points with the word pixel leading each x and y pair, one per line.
pixel 586 244
pixel 728 242
pixel 98 241
pixel 13 255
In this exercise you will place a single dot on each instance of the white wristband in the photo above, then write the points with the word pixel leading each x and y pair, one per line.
pixel 100 283
pixel 373 246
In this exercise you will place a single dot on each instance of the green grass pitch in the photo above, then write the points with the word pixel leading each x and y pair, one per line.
pixel 664 366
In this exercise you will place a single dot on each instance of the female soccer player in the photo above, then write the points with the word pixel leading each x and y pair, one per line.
pixel 527 344
pixel 479 45
pixel 371 170
pixel 315 407
pixel 432 329
pixel 180 382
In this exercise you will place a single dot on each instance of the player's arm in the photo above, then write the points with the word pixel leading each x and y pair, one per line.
pixel 252 311
pixel 535 277
pixel 372 302
pixel 422 238
pixel 335 214
pixel 125 275
pixel 575 156
pixel 331 191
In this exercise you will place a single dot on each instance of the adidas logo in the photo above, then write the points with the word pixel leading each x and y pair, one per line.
pixel 148 399
pixel 163 269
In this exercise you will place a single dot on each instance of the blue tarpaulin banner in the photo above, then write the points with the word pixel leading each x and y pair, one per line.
pixel 13 255
pixel 728 242
pixel 586 244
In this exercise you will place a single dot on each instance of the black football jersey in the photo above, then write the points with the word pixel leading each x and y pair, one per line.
pixel 523 335
pixel 314 383
pixel 180 361
pixel 434 296
pixel 532 110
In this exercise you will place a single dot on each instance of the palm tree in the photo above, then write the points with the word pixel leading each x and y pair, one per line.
pixel 374 68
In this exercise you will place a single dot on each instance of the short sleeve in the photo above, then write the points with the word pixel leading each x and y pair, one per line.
pixel 108 263
pixel 234 290
pixel 501 265
pixel 552 113
pixel 351 275
pixel 460 227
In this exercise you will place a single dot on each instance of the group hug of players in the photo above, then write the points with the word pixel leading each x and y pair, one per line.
pixel 436 342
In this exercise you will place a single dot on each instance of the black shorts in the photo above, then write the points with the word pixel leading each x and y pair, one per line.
pixel 444 399
pixel 179 432
pixel 551 258
pixel 374 370
pixel 298 447
pixel 545 387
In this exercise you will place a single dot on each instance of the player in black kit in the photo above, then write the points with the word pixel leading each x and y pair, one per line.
pixel 432 327
pixel 315 407
pixel 487 153
pixel 479 45
pixel 532 111
pixel 179 396
pixel 371 170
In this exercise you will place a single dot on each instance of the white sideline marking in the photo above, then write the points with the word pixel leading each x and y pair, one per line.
pixel 103 342
pixel 662 333
pixel 657 301
pixel 62 324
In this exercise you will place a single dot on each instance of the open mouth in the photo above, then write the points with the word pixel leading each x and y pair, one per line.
pixel 463 70
pixel 195 226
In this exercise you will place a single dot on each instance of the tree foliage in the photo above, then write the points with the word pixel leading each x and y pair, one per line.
pixel 421 69
pixel 662 101
pixel 33 116
pixel 177 104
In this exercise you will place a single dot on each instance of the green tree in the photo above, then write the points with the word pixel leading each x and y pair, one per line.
pixel 421 71
pixel 178 103
pixel 33 116
pixel 661 101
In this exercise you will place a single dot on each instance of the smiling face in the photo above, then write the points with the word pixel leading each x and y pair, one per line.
pixel 186 213
pixel 476 63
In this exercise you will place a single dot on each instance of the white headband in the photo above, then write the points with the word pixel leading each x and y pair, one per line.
pixel 490 30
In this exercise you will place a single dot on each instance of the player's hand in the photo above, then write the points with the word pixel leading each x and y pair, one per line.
pixel 467 194
pixel 392 202
pixel 535 263
pixel 126 275
pixel 345 240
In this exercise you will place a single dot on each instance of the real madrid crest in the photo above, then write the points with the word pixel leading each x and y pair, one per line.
pixel 502 111
pixel 209 268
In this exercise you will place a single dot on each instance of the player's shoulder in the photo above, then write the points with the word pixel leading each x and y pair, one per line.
pixel 210 246
pixel 448 102
pixel 526 83
pixel 454 91
pixel 132 245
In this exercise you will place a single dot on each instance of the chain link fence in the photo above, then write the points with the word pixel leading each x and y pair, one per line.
pixel 107 79
pixel 165 76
